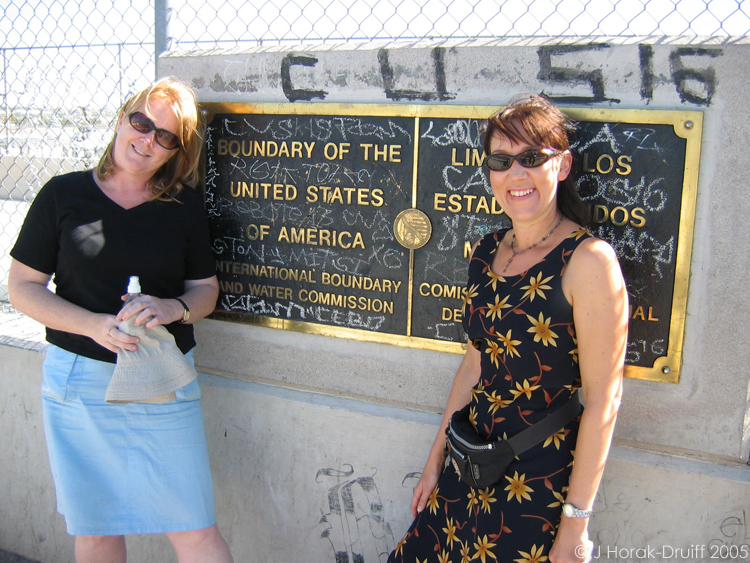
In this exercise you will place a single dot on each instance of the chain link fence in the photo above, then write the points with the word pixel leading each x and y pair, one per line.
pixel 237 21
pixel 68 65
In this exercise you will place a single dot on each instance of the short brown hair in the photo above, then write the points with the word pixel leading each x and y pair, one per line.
pixel 538 121
pixel 182 168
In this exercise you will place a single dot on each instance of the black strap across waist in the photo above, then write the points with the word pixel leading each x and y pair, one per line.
pixel 547 426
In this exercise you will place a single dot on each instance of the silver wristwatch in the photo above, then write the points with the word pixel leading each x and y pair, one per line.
pixel 571 511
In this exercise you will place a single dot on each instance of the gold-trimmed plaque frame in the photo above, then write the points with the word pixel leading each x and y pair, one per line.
pixel 686 125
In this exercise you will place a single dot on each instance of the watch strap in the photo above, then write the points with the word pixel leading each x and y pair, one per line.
pixel 185 312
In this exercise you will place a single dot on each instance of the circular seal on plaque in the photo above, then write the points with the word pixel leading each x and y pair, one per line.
pixel 412 228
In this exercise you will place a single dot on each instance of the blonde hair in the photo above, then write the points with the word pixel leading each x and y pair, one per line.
pixel 182 168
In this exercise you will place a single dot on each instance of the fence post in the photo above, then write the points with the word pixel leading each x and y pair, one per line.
pixel 162 38
pixel 6 102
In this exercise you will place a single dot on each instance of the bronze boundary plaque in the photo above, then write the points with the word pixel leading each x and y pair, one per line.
pixel 355 220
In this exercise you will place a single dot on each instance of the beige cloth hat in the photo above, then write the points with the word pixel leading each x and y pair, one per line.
pixel 153 372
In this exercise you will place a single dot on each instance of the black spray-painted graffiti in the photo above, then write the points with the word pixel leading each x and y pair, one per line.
pixel 565 75
pixel 355 525
pixel 681 75
pixel 295 94
pixel 693 85
pixel 440 93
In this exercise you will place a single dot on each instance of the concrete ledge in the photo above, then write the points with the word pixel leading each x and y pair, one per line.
pixel 297 472
pixel 19 331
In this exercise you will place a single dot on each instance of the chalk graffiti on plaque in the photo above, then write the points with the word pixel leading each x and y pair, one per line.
pixel 361 226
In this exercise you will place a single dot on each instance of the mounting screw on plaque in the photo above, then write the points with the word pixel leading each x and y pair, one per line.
pixel 412 228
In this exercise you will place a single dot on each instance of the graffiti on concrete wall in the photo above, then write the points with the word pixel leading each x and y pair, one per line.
pixel 621 530
pixel 629 523
pixel 731 540
pixel 440 93
pixel 567 73
pixel 354 520
pixel 694 85
pixel 296 94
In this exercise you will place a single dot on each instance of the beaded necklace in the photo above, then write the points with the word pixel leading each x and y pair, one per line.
pixel 513 244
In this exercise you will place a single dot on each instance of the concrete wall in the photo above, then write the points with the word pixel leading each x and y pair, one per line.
pixel 671 74
pixel 315 441
pixel 302 476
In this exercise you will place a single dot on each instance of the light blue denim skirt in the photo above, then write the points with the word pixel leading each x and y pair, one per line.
pixel 123 469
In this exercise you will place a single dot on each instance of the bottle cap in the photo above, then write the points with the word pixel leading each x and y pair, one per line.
pixel 134 285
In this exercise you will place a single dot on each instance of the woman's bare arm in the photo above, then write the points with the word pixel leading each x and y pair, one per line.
pixel 595 287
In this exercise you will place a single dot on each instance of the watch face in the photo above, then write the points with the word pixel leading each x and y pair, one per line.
pixel 567 510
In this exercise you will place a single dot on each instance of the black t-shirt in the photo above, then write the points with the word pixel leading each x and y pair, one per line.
pixel 92 246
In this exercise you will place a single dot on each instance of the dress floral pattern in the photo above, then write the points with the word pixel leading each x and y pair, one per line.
pixel 523 327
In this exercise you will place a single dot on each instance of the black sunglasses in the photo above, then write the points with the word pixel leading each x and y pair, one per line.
pixel 528 159
pixel 143 124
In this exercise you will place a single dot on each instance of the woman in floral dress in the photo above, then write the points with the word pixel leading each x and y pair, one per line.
pixel 546 315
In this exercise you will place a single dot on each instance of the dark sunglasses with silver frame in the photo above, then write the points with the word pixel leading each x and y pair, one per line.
pixel 141 123
pixel 528 159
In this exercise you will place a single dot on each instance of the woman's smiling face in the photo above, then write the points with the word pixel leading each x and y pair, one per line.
pixel 139 153
pixel 526 194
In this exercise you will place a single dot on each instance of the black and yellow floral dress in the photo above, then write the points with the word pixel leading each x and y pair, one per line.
pixel 523 327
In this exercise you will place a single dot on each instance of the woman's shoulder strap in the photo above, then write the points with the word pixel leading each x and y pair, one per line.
pixel 577 237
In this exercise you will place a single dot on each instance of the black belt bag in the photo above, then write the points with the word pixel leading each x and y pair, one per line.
pixel 482 464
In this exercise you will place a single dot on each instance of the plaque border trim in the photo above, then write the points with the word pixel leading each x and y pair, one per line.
pixel 687 125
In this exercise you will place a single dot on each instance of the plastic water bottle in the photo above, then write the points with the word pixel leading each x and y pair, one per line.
pixel 134 288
